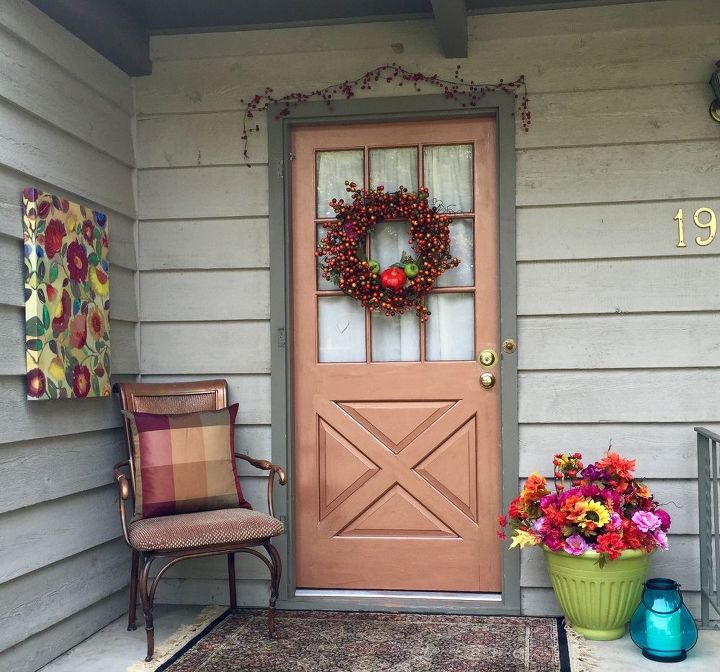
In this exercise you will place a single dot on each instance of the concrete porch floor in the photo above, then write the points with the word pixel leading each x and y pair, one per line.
pixel 114 649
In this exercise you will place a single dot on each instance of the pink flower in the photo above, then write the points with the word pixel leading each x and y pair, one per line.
pixel 646 521
pixel 575 545
pixel 661 538
pixel 615 521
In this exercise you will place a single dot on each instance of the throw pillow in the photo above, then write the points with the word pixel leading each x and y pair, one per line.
pixel 185 462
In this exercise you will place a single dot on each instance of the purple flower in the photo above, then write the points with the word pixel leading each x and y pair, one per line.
pixel 537 525
pixel 646 521
pixel 575 545
pixel 664 519
pixel 592 473
pixel 661 539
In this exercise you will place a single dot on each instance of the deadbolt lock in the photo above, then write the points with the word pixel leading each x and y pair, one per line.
pixel 487 358
pixel 487 380
pixel 509 345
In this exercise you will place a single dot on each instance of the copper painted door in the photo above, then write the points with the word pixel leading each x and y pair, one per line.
pixel 396 450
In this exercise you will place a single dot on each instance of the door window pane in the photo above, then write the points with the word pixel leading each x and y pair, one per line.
pixel 388 240
pixel 333 168
pixel 395 339
pixel 450 329
pixel 393 167
pixel 321 282
pixel 341 329
pixel 461 246
pixel 448 173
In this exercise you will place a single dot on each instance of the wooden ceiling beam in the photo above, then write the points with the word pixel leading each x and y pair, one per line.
pixel 451 22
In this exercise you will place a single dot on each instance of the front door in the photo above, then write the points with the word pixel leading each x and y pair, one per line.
pixel 396 443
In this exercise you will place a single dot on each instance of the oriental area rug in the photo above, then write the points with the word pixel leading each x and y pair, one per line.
pixel 316 641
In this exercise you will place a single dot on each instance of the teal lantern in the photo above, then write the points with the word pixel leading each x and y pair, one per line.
pixel 662 626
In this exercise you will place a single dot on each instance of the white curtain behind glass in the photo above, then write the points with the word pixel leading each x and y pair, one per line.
pixel 333 168
pixel 448 175
pixel 394 167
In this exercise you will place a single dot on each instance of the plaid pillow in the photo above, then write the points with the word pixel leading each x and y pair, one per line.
pixel 185 462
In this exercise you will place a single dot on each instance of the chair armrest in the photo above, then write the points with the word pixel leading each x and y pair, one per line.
pixel 125 492
pixel 273 469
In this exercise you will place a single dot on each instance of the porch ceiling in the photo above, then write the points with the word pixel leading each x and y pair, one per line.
pixel 120 29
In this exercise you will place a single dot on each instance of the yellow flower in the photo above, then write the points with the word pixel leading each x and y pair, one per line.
pixel 593 514
pixel 56 369
pixel 523 538
pixel 99 281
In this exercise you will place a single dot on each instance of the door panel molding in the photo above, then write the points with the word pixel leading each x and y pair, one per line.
pixel 410 108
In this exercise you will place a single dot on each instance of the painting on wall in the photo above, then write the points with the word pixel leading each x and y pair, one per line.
pixel 67 298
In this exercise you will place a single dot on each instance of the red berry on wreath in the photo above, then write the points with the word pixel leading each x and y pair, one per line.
pixel 393 278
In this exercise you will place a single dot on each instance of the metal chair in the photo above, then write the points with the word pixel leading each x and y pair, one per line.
pixel 162 537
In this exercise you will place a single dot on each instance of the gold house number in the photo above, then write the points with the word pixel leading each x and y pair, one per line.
pixel 704 218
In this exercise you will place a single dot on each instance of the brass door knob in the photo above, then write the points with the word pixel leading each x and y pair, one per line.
pixel 487 358
pixel 487 380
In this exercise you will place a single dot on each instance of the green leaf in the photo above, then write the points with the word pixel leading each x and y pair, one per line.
pixel 94 259
pixel 34 327
pixel 46 316
pixel 52 389
pixel 40 226
pixel 106 362
pixel 34 344
pixel 41 270
pixel 54 270
pixel 95 385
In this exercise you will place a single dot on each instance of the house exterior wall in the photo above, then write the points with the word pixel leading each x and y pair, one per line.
pixel 618 335
pixel 66 118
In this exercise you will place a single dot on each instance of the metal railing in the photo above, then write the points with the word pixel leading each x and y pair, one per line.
pixel 708 456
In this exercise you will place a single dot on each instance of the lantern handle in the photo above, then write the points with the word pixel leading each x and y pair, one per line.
pixel 680 595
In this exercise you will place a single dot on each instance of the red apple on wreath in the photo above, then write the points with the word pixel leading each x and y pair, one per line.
pixel 393 278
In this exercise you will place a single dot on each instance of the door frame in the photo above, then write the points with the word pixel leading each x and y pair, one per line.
pixel 501 106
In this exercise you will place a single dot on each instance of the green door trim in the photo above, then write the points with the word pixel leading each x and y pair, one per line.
pixel 406 108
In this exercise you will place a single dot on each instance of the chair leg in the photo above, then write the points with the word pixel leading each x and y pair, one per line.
pixel 231 581
pixel 132 607
pixel 146 597
pixel 275 574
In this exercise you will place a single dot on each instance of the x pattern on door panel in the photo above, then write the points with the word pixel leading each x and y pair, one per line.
pixel 411 446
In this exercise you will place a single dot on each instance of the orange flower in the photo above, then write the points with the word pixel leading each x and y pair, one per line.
pixel 618 465
pixel 641 490
pixel 97 324
pixel 535 487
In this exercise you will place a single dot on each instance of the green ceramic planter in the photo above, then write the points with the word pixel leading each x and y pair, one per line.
pixel 598 602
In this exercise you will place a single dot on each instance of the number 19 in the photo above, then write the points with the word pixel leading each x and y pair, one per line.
pixel 710 225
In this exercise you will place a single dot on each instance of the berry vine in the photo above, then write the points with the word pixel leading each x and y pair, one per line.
pixel 466 93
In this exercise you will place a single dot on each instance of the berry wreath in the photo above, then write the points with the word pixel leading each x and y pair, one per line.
pixel 406 283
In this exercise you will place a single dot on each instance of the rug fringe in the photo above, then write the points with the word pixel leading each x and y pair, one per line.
pixel 173 643
pixel 581 659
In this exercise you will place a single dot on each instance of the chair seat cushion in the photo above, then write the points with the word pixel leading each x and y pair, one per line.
pixel 205 528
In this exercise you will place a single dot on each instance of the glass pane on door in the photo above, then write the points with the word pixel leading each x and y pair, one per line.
pixel 393 167
pixel 341 329
pixel 321 282
pixel 388 241
pixel 450 329
pixel 448 173
pixel 332 169
pixel 395 339
pixel 461 246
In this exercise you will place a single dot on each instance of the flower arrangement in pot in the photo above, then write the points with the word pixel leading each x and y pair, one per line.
pixel 598 530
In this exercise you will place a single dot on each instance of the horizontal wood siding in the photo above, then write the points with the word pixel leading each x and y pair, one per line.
pixel 67 128
pixel 617 326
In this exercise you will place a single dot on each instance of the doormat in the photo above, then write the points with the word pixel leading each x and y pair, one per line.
pixel 324 641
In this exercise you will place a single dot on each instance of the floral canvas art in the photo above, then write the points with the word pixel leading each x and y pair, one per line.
pixel 67 298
